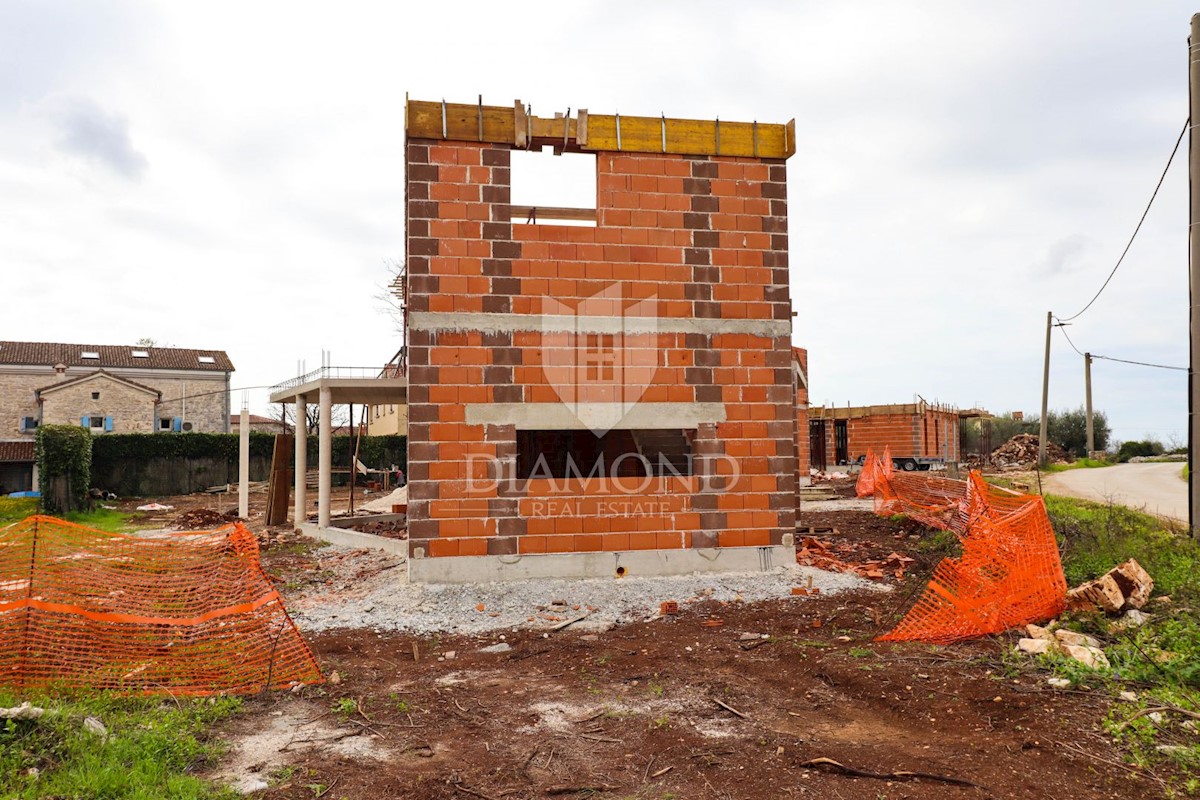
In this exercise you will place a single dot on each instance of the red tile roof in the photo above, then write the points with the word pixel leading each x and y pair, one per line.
pixel 49 354
pixel 16 451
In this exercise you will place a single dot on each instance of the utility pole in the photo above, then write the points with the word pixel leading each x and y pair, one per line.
pixel 1046 390
pixel 1193 271
pixel 1087 383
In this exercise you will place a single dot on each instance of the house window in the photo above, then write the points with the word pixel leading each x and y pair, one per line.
pixel 207 360
pixel 554 189
pixel 165 423
pixel 89 354
pixel 627 453
pixel 140 354
pixel 28 423
pixel 95 395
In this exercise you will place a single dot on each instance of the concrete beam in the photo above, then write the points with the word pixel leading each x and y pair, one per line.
pixel 591 416
pixel 485 322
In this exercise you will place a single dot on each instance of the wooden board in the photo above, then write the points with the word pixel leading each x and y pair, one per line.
pixel 280 484
pixel 462 122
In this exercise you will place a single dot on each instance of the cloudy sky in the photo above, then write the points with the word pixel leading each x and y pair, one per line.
pixel 230 175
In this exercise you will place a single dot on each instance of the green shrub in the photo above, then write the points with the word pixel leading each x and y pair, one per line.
pixel 1129 450
pixel 64 458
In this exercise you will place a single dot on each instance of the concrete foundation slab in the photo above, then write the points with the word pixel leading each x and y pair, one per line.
pixel 630 563
pixel 355 539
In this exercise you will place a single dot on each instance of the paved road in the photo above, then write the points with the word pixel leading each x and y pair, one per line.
pixel 1155 487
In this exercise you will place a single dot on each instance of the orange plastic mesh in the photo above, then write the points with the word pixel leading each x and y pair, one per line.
pixel 873 467
pixel 1009 574
pixel 185 613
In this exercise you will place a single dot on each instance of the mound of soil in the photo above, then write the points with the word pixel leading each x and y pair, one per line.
pixel 200 519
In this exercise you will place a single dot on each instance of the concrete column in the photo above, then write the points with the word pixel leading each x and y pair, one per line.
pixel 244 465
pixel 325 458
pixel 37 479
pixel 301 431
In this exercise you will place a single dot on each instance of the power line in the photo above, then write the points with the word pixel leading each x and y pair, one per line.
pixel 1063 329
pixel 1125 252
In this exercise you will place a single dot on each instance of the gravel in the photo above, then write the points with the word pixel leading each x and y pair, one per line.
pixel 369 589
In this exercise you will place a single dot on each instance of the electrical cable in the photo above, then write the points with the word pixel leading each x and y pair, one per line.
pixel 1125 252
pixel 1112 358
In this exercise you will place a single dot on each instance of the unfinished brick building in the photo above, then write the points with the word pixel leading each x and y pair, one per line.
pixel 601 390
pixel 839 435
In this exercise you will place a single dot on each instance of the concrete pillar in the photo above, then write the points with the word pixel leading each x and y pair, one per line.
pixel 325 458
pixel 299 512
pixel 244 465
pixel 37 479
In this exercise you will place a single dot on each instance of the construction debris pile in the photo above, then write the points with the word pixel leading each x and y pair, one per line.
pixel 1021 452
pixel 1123 587
pixel 199 519
pixel 839 557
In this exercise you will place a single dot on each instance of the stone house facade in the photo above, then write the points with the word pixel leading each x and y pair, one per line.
pixel 112 388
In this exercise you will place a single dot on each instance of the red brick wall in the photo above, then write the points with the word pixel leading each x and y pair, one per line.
pixel 800 355
pixel 699 238
pixel 931 433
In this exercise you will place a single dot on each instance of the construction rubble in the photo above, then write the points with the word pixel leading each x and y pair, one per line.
pixel 1125 586
pixel 1021 452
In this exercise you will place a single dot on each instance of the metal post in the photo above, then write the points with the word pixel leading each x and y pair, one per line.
pixel 1087 394
pixel 1045 395
pixel 1193 272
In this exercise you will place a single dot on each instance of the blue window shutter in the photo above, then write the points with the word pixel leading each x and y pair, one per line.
pixel 108 424
pixel 86 422
pixel 177 424
pixel 22 428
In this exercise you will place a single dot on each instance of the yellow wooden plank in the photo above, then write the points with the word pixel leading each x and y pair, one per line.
pixel 462 122
pixel 686 136
pixel 598 132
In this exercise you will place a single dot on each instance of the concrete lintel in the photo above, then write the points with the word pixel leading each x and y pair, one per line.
pixel 356 539
pixel 594 416
pixel 631 563
pixel 486 322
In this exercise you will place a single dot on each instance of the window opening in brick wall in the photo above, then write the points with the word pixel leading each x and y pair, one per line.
pixel 95 395
pixel 841 442
pixel 553 190
pixel 623 453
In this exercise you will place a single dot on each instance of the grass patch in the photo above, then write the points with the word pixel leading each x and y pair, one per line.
pixel 1079 463
pixel 15 509
pixel 1095 537
pixel 1187 470
pixel 1160 659
pixel 152 748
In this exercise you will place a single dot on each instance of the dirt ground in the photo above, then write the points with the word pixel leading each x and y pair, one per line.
pixel 734 700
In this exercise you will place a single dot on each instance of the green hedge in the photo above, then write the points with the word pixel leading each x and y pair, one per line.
pixel 113 447
pixel 64 457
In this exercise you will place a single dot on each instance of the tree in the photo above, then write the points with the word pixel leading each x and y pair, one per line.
pixel 1068 429
pixel 394 296
pixel 339 415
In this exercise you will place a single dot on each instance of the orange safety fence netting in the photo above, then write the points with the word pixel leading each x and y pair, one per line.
pixel 873 467
pixel 1009 574
pixel 181 613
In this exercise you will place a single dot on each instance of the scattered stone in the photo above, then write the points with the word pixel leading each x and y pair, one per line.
pixel 23 711
pixel 1124 586
pixel 335 677
pixel 1172 749
pixel 1090 657
pixel 450 655
pixel 1072 637
pixel 1058 683
pixel 500 647
pixel 1035 647
pixel 1134 618
pixel 96 727
pixel 1128 697
pixel 1038 632
pixel 250 785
